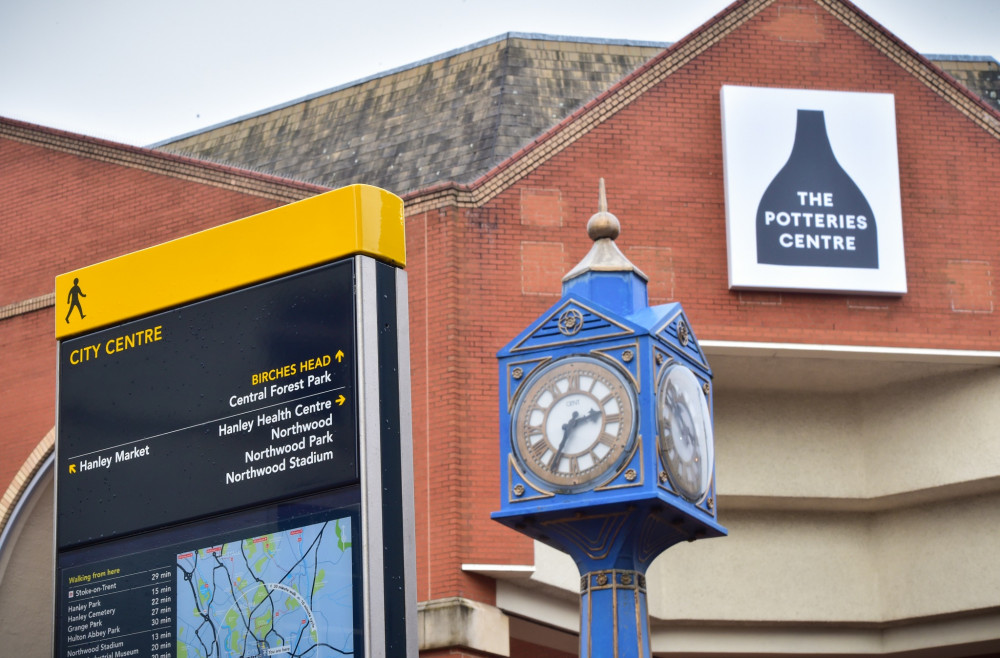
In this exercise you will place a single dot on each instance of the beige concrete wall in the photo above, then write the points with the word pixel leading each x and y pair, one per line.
pixel 774 567
pixel 27 579
pixel 939 559
pixel 860 446
pixel 789 444
pixel 935 432
pixel 881 568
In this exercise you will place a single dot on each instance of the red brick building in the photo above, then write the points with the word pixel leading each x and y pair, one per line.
pixel 857 463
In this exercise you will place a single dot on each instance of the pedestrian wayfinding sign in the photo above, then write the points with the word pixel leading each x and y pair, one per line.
pixel 233 446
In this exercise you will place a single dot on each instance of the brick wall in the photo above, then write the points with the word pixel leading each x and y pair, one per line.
pixel 27 410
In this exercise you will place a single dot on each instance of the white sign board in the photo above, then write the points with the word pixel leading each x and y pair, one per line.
pixel 812 191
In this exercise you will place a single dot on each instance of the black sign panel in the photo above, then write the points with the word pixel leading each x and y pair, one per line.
pixel 813 213
pixel 223 404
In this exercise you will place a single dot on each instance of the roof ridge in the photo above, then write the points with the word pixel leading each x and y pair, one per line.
pixel 500 104
pixel 928 71
pixel 941 57
pixel 219 174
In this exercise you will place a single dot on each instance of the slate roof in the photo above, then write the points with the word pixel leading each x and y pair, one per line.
pixel 980 74
pixel 452 117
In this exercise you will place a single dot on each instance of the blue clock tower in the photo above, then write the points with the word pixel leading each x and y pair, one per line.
pixel 606 430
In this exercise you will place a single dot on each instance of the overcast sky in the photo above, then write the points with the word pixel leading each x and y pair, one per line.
pixel 138 71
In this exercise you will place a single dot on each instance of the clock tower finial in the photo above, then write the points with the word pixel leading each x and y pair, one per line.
pixel 605 266
pixel 603 224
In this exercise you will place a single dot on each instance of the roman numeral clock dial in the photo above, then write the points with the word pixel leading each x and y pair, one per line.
pixel 685 426
pixel 573 424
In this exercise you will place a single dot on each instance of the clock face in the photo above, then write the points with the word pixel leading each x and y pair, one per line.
pixel 685 426
pixel 573 424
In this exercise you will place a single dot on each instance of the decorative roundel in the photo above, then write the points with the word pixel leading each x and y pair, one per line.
pixel 574 424
pixel 570 322
pixel 685 432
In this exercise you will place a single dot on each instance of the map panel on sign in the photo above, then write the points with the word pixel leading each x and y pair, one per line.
pixel 279 580
pixel 286 593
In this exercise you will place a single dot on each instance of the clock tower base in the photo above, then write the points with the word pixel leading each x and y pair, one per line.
pixel 613 545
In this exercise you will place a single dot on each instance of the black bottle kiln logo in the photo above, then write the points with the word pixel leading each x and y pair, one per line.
pixel 813 213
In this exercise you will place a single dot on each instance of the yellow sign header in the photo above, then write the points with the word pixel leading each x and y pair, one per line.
pixel 358 219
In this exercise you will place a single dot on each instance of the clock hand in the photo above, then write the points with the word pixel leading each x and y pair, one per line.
pixel 567 430
pixel 687 428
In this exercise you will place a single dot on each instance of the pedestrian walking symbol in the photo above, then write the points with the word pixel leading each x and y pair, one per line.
pixel 75 293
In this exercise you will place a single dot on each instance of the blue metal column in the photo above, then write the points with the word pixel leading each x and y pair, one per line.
pixel 614 619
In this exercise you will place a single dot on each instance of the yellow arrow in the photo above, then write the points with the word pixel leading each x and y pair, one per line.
pixel 340 401
pixel 72 468
pixel 339 355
